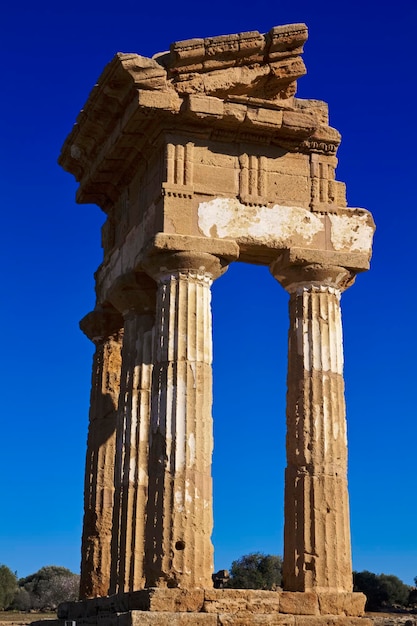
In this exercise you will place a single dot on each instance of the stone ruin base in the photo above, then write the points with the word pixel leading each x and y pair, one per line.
pixel 215 607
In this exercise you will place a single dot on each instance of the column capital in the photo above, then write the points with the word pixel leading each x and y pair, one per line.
pixel 178 253
pixel 101 323
pixel 297 267
pixel 201 264
pixel 133 292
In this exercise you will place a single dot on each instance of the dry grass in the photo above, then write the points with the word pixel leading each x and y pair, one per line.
pixel 14 617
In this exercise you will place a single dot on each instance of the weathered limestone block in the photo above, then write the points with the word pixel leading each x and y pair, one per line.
pixel 260 601
pixel 139 618
pixel 234 63
pixel 225 600
pixel 352 604
pixel 134 296
pixel 271 619
pixel 331 620
pixel 238 601
pixel 299 603
pixel 287 227
pixel 105 328
pixel 171 600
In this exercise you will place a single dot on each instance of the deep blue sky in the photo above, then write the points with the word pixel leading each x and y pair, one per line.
pixel 361 59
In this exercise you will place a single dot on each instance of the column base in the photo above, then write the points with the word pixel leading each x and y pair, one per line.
pixel 214 607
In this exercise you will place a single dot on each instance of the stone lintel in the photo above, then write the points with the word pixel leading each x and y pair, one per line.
pixel 356 261
pixel 298 265
pixel 132 257
pixel 346 229
pixel 223 601
pixel 222 248
pixel 264 231
pixel 167 253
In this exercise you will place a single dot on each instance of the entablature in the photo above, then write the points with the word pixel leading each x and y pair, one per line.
pixel 233 87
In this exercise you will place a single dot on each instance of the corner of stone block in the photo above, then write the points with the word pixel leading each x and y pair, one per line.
pixel 299 603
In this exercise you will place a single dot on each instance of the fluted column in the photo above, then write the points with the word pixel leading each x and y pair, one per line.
pixel 104 326
pixel 180 517
pixel 134 296
pixel 317 552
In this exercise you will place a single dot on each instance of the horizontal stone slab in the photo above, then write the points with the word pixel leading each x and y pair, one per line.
pixel 352 604
pixel 179 618
pixel 250 619
pixel 331 620
pixel 299 603
pixel 237 601
pixel 138 618
pixel 216 601
pixel 170 600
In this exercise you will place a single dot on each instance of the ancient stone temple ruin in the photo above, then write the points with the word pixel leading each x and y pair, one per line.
pixel 200 157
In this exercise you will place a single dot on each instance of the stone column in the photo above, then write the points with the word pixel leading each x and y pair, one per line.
pixel 104 326
pixel 317 553
pixel 180 517
pixel 134 296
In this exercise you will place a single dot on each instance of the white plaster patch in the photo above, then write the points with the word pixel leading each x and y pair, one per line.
pixel 179 502
pixel 143 476
pixel 227 217
pixel 326 419
pixel 351 232
pixel 191 448
pixel 180 436
pixel 132 469
pixel 192 366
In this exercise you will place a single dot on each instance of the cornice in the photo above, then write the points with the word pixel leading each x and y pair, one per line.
pixel 240 86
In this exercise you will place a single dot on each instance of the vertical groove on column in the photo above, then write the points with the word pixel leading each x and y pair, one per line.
pixel 189 163
pixel 179 526
pixel 131 466
pixel 317 538
pixel 144 375
pixel 244 175
pixel 253 175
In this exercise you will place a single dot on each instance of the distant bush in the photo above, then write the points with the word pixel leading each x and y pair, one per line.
pixel 8 587
pixel 381 590
pixel 45 589
pixel 256 571
pixel 22 600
